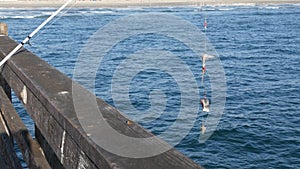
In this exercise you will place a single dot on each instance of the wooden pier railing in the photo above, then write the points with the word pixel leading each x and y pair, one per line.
pixel 60 141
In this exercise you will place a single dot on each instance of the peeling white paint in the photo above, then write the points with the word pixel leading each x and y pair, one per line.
pixel 62 147
pixel 63 92
pixel 42 151
pixel 5 127
pixel 24 95
pixel 82 164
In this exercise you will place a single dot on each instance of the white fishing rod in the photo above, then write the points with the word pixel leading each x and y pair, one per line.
pixel 34 32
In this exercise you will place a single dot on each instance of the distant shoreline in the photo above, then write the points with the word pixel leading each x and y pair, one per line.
pixel 138 3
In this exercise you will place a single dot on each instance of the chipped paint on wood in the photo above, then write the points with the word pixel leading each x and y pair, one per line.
pixel 24 95
pixel 62 147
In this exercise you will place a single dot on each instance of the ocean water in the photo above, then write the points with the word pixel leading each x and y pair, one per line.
pixel 259 48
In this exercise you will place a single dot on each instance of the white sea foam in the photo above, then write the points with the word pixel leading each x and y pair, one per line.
pixel 130 8
pixel 17 17
pixel 102 12
pixel 244 4
pixel 22 16
pixel 226 9
pixel 272 7
pixel 47 13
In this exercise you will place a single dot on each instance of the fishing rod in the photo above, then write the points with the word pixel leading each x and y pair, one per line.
pixel 26 40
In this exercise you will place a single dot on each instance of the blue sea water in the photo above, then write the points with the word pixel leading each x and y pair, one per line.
pixel 259 47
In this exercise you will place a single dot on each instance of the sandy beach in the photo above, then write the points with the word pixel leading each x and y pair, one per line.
pixel 133 3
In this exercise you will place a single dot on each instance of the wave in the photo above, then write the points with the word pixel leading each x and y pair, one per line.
pixel 102 12
pixel 89 12
pixel 23 14
pixel 244 4
pixel 272 7
pixel 269 7
pixel 130 8
pixel 47 14
pixel 226 9
pixel 218 8
pixel 18 17
pixel 241 6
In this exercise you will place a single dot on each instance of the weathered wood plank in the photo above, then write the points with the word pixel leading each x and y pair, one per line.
pixel 51 157
pixel 5 87
pixel 3 83
pixel 30 149
pixel 56 118
pixel 8 157
pixel 69 152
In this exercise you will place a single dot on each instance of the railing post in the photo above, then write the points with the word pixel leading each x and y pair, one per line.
pixel 3 83
pixel 3 29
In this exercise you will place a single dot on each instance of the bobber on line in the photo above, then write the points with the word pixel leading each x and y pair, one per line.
pixel 203 129
pixel 205 101
pixel 205 104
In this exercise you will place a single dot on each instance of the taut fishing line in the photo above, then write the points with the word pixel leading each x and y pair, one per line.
pixel 36 37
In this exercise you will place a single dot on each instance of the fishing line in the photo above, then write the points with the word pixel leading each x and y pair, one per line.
pixel 36 37
pixel 204 101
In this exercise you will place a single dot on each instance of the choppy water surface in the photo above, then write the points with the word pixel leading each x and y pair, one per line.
pixel 258 47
